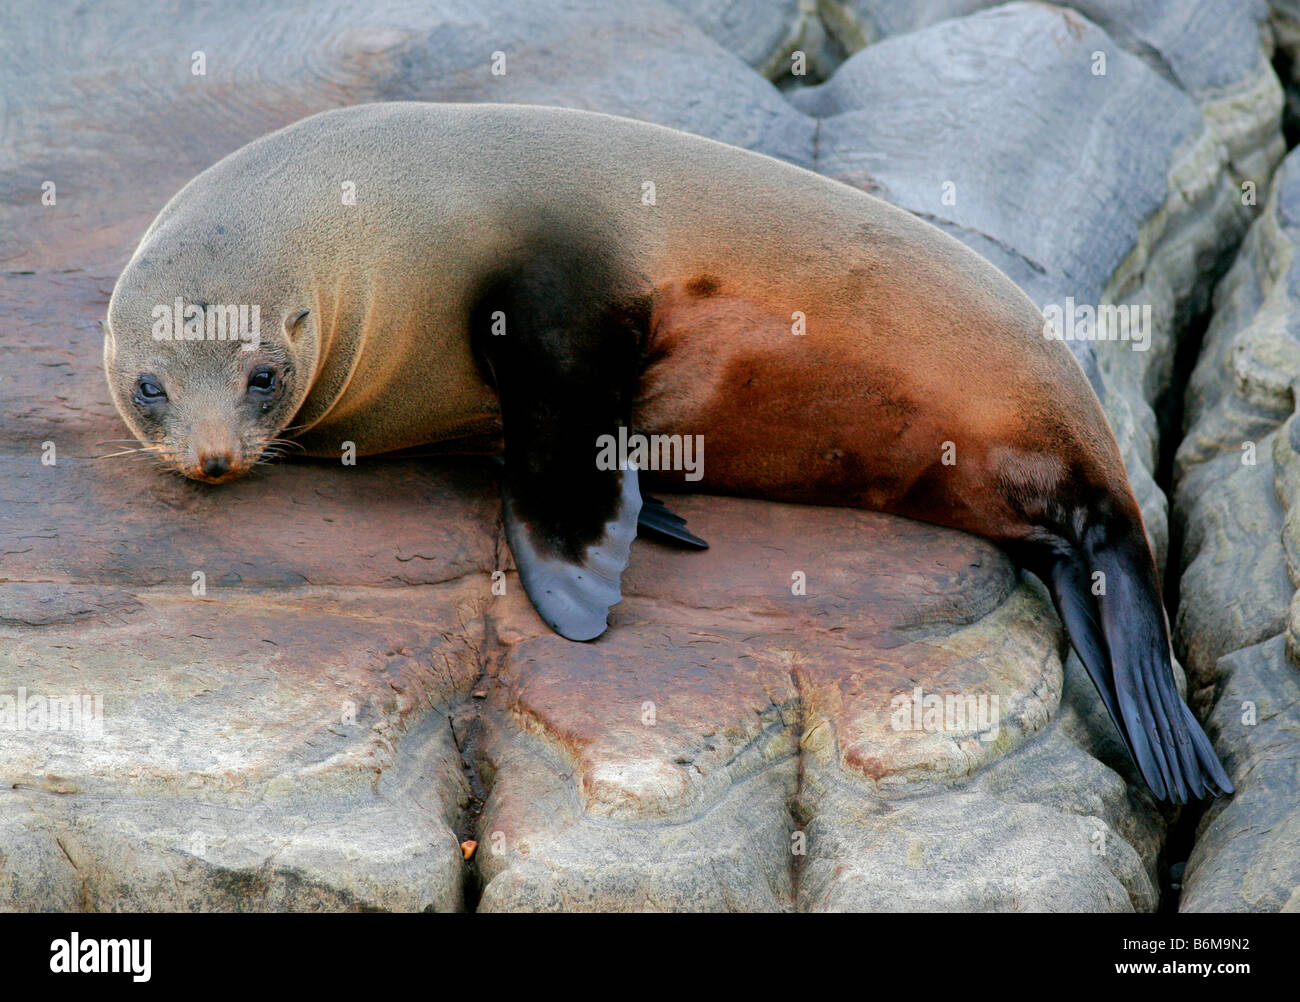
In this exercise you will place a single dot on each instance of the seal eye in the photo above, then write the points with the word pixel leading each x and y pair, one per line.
pixel 261 381
pixel 148 392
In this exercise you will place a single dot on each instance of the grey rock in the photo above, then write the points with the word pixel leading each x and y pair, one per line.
pixel 1247 853
pixel 764 33
pixel 1237 476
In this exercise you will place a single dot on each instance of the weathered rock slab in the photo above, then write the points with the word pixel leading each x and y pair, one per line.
pixel 312 688
pixel 1237 480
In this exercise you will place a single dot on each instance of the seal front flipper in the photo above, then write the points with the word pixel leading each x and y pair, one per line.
pixel 559 336
pixel 574 596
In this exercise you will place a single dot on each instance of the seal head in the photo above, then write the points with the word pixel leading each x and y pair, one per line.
pixel 205 385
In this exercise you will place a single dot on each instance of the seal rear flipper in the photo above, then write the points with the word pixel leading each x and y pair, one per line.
pixel 1132 619
pixel 1205 754
pixel 1121 638
pixel 666 526
pixel 574 596
pixel 1067 580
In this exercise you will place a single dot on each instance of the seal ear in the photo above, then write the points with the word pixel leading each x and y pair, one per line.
pixel 291 322
pixel 110 343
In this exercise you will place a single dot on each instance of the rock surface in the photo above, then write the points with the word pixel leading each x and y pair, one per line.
pixel 1238 478
pixel 349 697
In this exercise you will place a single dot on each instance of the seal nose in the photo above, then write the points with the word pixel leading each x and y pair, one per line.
pixel 216 465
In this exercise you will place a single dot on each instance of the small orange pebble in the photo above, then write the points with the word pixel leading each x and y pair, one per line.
pixel 467 849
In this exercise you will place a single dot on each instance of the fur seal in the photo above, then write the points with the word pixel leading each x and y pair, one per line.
pixel 544 278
